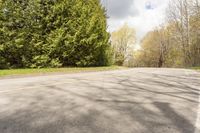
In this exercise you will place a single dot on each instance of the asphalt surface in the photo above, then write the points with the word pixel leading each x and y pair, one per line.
pixel 122 101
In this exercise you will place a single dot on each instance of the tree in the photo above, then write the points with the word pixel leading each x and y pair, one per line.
pixel 150 54
pixel 177 43
pixel 157 49
pixel 45 33
pixel 182 13
pixel 122 41
pixel 195 33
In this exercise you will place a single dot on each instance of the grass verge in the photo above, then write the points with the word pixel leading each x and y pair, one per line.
pixel 20 72
pixel 196 68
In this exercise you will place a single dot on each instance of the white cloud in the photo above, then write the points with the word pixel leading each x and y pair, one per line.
pixel 143 15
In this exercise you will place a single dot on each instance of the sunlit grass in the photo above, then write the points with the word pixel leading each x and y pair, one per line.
pixel 13 72
pixel 196 68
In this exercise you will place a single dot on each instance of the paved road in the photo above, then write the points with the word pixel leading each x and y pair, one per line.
pixel 124 101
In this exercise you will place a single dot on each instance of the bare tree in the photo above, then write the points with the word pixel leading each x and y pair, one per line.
pixel 179 13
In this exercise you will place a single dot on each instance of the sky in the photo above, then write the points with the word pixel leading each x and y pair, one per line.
pixel 142 15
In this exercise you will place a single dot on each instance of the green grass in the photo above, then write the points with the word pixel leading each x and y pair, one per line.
pixel 196 68
pixel 17 72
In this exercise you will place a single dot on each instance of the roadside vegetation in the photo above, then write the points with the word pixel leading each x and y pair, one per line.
pixel 177 42
pixel 123 41
pixel 53 33
pixel 18 72
pixel 196 68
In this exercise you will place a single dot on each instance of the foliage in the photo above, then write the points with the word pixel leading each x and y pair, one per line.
pixel 177 43
pixel 53 33
pixel 122 41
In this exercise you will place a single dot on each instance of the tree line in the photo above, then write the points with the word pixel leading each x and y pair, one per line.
pixel 176 43
pixel 53 33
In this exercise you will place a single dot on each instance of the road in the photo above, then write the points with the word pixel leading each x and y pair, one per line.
pixel 137 100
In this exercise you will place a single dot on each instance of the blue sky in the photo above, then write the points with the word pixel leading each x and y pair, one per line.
pixel 143 15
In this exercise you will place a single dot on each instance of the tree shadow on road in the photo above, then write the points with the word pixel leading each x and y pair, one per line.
pixel 118 105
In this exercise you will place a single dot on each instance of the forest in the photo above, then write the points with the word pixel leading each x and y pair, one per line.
pixel 175 43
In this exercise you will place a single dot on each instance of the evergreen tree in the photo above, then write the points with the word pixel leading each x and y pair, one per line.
pixel 53 33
